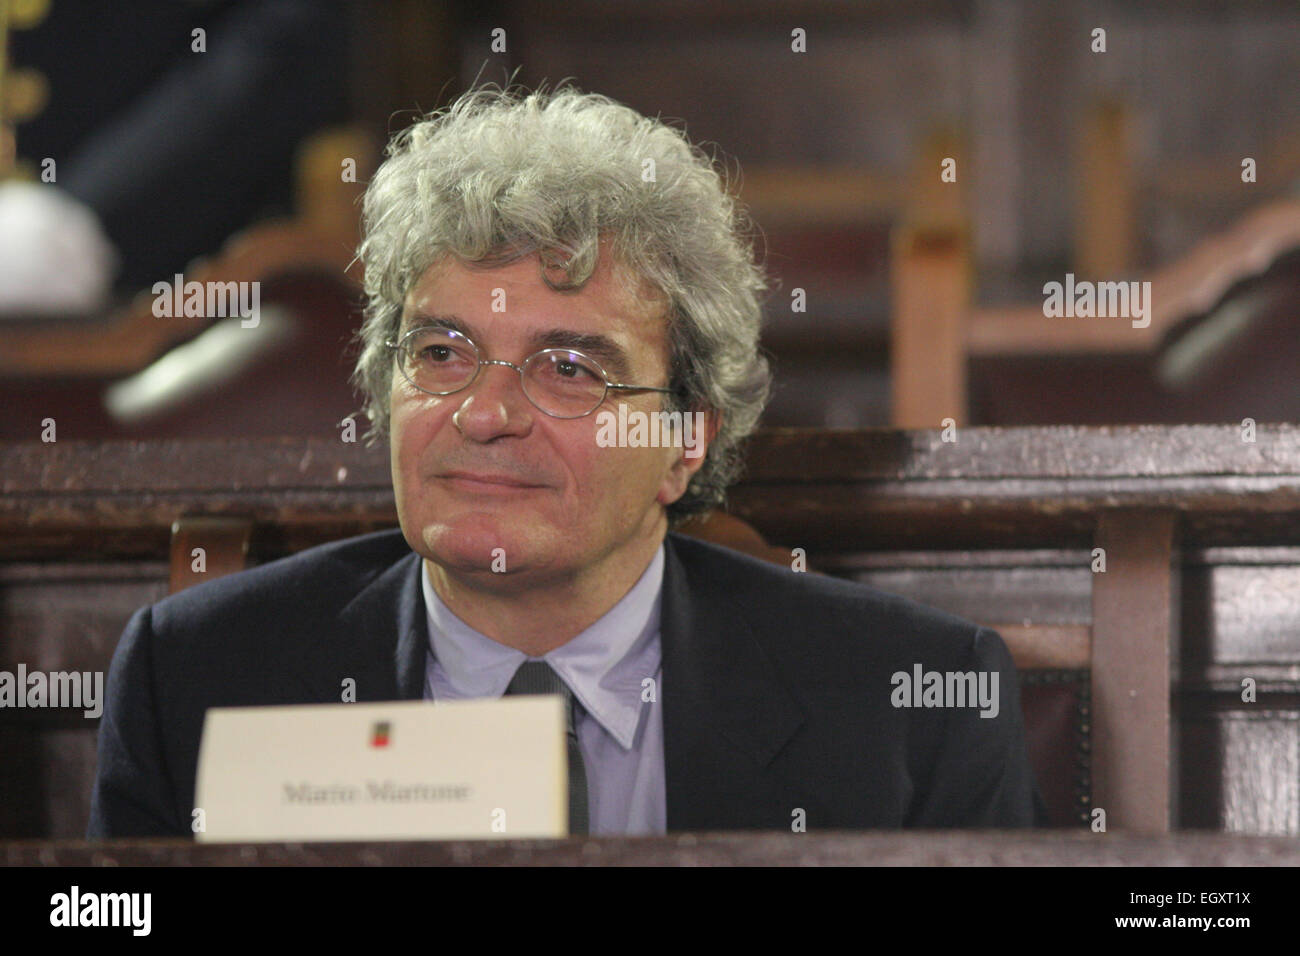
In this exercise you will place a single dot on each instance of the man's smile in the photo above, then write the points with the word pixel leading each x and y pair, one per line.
pixel 486 482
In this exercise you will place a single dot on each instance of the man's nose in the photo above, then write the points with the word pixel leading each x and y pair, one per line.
pixel 494 404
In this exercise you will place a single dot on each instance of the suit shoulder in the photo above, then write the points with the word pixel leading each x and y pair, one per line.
pixel 318 578
pixel 818 602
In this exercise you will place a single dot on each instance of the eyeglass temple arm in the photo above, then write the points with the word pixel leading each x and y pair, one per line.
pixel 641 388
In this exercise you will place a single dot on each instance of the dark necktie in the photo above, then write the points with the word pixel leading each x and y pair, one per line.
pixel 536 677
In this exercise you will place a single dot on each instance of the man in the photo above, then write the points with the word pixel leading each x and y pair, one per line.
pixel 532 264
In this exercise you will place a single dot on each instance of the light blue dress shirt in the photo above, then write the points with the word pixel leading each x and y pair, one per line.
pixel 614 670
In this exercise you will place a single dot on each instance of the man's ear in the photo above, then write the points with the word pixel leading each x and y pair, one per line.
pixel 697 434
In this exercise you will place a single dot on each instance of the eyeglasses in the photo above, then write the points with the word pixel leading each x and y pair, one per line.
pixel 560 382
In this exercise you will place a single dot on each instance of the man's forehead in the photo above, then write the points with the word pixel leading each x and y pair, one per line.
pixel 614 302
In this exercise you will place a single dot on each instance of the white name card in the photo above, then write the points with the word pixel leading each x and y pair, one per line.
pixel 408 770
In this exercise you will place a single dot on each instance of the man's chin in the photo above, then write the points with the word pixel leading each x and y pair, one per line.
pixel 479 542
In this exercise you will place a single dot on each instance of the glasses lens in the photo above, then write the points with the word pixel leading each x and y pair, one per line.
pixel 438 360
pixel 563 383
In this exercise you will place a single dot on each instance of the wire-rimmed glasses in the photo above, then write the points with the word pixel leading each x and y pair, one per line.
pixel 560 382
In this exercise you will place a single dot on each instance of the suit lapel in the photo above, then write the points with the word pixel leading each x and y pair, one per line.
pixel 726 714
pixel 380 641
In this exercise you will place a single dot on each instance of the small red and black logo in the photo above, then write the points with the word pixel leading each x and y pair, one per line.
pixel 379 734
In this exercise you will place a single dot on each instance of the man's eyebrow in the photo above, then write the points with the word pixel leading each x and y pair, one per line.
pixel 422 320
pixel 600 347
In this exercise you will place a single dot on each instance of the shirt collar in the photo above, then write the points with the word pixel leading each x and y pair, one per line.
pixel 604 665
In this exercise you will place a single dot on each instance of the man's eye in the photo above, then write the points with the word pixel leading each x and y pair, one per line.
pixel 435 353
pixel 574 371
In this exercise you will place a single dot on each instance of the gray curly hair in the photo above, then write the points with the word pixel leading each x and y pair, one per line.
pixel 503 173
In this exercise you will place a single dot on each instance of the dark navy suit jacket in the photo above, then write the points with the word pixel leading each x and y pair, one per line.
pixel 776 690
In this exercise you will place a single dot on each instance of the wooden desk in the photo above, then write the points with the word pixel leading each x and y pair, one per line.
pixel 849 848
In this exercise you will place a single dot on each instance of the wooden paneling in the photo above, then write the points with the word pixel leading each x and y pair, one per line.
pixel 67 615
pixel 64 616
pixel 1241 619
pixel 204 548
pixel 1133 632
pixel 1242 770
pixel 998 527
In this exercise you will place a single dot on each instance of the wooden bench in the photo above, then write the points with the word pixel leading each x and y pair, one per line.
pixel 937 329
pixel 1198 529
